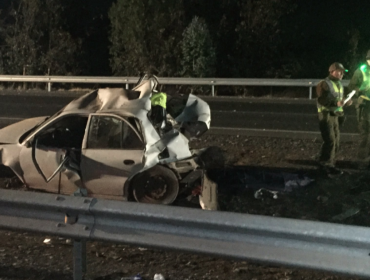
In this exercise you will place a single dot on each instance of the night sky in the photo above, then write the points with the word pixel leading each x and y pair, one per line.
pixel 315 34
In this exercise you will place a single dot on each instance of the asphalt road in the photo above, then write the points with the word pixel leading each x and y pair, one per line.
pixel 228 114
pixel 272 114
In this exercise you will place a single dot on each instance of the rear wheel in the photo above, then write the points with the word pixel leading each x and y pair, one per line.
pixel 158 185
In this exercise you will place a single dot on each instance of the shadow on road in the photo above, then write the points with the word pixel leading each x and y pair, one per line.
pixel 233 179
pixel 11 272
pixel 343 164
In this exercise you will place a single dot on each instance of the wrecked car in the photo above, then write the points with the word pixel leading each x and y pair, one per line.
pixel 104 144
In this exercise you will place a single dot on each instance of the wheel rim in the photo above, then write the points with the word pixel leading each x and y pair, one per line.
pixel 156 189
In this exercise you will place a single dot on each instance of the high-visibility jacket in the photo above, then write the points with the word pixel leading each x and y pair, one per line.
pixel 336 92
pixel 365 86
pixel 159 98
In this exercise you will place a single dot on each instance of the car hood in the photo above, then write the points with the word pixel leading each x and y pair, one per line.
pixel 11 134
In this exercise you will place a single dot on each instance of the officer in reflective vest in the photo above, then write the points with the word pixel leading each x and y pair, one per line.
pixel 330 93
pixel 360 82
pixel 158 111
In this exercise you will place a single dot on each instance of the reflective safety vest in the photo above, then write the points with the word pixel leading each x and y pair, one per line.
pixel 365 86
pixel 336 92
pixel 159 98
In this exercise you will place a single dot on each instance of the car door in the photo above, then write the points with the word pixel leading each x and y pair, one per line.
pixel 50 149
pixel 113 149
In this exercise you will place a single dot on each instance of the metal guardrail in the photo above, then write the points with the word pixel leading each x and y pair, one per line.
pixel 167 81
pixel 307 244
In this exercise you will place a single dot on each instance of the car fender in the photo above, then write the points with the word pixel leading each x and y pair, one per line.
pixel 9 156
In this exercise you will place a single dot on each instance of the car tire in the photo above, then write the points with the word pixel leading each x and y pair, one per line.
pixel 157 185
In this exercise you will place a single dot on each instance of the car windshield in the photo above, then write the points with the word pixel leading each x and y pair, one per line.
pixel 25 135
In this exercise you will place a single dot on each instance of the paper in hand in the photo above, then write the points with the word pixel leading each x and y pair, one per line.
pixel 349 96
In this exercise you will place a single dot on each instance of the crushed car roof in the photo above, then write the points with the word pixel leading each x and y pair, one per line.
pixel 114 99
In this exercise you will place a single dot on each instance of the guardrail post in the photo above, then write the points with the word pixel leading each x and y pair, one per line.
pixel 79 259
pixel 310 91
pixel 213 89
pixel 49 87
pixel 127 86
pixel 24 74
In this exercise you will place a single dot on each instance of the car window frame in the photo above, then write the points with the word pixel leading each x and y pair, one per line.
pixel 33 139
pixel 122 118
pixel 49 122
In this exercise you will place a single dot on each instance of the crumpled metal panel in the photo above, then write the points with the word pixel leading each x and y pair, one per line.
pixel 131 103
pixel 120 101
pixel 196 110
pixel 208 197
pixel 175 142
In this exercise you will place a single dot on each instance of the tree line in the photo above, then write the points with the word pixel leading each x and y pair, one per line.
pixel 181 38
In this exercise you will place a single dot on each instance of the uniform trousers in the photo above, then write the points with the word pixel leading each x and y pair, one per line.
pixel 364 127
pixel 329 128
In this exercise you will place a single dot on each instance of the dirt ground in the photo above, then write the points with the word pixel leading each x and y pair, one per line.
pixel 26 256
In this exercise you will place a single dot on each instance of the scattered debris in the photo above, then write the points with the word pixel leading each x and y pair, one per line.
pixel 159 277
pixel 262 193
pixel 241 269
pixel 293 181
pixel 136 277
pixel 346 214
pixel 47 241
pixel 276 182
pixel 13 183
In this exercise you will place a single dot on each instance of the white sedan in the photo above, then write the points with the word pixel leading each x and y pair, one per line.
pixel 104 144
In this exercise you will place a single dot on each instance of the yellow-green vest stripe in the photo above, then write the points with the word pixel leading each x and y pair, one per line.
pixel 159 98
pixel 336 92
pixel 365 86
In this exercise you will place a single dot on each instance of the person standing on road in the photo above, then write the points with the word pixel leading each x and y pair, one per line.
pixel 330 103
pixel 360 82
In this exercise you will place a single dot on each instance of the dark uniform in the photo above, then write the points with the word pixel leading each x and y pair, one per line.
pixel 329 92
pixel 360 82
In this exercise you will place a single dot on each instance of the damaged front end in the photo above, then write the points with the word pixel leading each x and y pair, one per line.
pixel 168 180
pixel 196 185
pixel 167 149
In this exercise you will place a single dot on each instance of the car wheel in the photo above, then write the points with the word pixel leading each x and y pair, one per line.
pixel 158 185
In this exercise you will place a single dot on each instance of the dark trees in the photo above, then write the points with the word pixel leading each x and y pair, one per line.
pixel 37 42
pixel 246 34
pixel 145 36
pixel 198 57
pixel 259 50
pixel 259 38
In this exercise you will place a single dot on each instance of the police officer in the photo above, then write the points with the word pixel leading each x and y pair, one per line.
pixel 330 93
pixel 158 112
pixel 360 82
